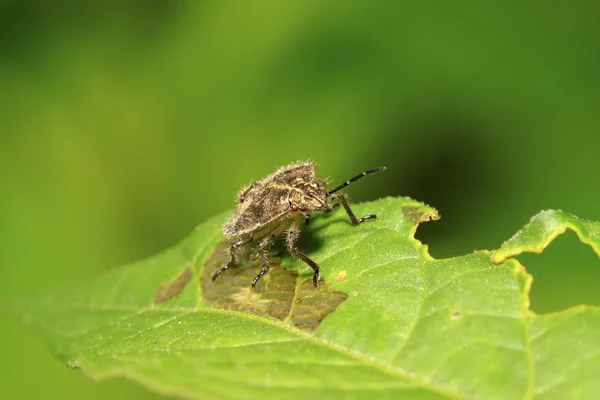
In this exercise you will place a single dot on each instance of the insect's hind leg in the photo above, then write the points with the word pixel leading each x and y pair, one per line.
pixel 353 219
pixel 262 254
pixel 231 261
pixel 290 242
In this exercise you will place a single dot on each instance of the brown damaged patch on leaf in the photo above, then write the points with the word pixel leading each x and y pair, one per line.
pixel 313 305
pixel 175 287
pixel 417 215
pixel 454 315
pixel 74 365
pixel 341 276
pixel 277 295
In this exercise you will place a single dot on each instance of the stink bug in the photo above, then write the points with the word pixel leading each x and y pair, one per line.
pixel 268 207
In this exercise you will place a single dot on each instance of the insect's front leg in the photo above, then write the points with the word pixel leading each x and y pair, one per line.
pixel 353 219
pixel 262 254
pixel 290 242
pixel 231 261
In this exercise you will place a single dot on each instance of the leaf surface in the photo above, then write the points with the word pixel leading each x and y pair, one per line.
pixel 387 321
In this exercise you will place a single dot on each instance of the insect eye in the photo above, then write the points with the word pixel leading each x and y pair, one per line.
pixel 316 185
pixel 242 198
pixel 294 206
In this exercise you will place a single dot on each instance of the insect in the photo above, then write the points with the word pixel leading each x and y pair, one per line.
pixel 279 202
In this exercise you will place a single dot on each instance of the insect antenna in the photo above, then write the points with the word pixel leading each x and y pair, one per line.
pixel 354 179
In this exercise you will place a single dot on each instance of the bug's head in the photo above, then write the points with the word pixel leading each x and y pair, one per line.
pixel 309 196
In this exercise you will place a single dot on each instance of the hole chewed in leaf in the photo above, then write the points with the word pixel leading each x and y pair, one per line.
pixel 542 229
pixel 279 294
pixel 576 285
pixel 175 287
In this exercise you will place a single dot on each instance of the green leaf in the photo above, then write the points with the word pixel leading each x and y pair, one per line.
pixel 543 228
pixel 388 320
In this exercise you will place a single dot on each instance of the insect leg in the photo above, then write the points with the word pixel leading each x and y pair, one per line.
pixel 307 218
pixel 330 207
pixel 291 238
pixel 353 219
pixel 262 249
pixel 231 261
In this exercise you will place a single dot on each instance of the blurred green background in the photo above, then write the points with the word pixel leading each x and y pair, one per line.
pixel 125 124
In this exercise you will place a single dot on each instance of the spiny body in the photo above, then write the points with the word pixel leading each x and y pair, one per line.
pixel 278 198
pixel 280 201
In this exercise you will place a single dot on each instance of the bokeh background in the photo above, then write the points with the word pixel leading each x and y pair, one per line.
pixel 125 124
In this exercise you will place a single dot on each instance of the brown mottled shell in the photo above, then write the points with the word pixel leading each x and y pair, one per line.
pixel 266 201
